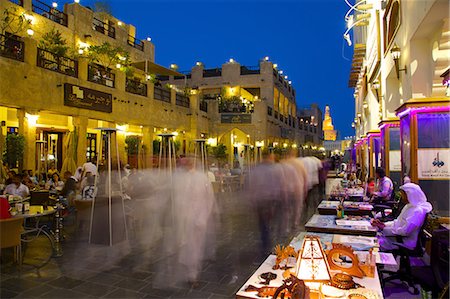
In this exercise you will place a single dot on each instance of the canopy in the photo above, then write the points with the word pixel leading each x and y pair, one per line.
pixel 153 68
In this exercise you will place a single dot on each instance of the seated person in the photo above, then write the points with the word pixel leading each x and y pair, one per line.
pixel 385 187
pixel 370 187
pixel 4 208
pixel 10 174
pixel 70 186
pixel 17 188
pixel 408 223
pixel 88 190
pixel 236 168
pixel 353 181
pixel 54 184
pixel 26 180
pixel 33 178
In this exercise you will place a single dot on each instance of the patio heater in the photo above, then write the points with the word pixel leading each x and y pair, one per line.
pixel 200 154
pixel 111 203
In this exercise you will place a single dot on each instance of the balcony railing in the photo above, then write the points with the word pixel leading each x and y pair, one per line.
pixel 136 87
pixel 101 75
pixel 56 63
pixel 250 70
pixel 161 94
pixel 105 28
pixel 204 106
pixel 11 47
pixel 49 12
pixel 18 2
pixel 138 44
pixel 217 72
pixel 182 100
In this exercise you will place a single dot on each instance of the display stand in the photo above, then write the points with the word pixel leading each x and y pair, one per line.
pixel 109 203
pixel 200 149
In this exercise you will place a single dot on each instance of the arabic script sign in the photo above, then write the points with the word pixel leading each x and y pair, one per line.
pixel 433 164
pixel 230 118
pixel 81 97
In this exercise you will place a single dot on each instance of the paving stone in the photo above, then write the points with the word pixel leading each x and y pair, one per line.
pixel 5 293
pixel 18 284
pixel 131 284
pixel 65 282
pixel 36 292
pixel 94 289
pixel 58 293
pixel 105 278
pixel 124 293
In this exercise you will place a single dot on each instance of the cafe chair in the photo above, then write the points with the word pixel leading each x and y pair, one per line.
pixel 10 232
pixel 435 277
pixel 404 273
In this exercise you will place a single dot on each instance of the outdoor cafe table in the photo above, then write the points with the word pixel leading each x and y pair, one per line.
pixel 371 287
pixel 348 226
pixel 328 207
pixel 39 211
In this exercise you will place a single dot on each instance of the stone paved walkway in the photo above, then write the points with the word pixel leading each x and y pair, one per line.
pixel 129 270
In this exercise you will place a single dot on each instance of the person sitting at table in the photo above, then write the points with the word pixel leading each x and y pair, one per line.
pixel 51 171
pixel 88 188
pixel 10 174
pixel 17 188
pixel 385 187
pixel 26 180
pixel 408 223
pixel 353 181
pixel 33 177
pixel 54 183
pixel 70 185
pixel 236 168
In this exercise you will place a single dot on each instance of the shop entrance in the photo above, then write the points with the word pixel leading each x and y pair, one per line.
pixel 53 146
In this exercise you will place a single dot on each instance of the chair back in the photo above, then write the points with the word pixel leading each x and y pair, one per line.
pixel 420 243
pixel 81 205
pixel 10 231
pixel 39 198
pixel 439 259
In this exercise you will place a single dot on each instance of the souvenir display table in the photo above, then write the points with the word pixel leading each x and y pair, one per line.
pixel 350 225
pixel 328 207
pixel 370 286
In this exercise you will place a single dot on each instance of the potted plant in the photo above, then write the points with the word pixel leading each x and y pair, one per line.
pixel 15 145
pixel 132 148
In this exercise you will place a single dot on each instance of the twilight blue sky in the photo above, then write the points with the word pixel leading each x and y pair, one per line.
pixel 304 37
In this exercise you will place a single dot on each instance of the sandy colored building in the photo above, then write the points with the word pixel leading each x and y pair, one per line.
pixel 46 96
pixel 400 77
pixel 253 106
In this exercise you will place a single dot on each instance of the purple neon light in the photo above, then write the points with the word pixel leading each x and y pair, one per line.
pixel 389 125
pixel 423 109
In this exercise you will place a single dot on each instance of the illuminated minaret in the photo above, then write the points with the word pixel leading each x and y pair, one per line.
pixel 329 133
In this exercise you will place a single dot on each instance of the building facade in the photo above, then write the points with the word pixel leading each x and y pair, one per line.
pixel 66 72
pixel 401 51
pixel 253 106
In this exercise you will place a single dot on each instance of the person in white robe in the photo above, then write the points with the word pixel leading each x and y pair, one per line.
pixel 408 223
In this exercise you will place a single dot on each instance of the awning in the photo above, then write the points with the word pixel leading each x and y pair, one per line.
pixel 153 68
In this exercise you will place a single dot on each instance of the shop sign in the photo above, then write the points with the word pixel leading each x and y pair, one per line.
pixel 231 118
pixel 395 162
pixel 433 164
pixel 81 97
